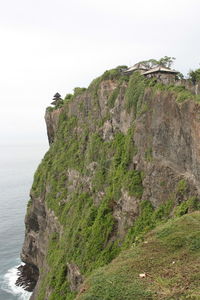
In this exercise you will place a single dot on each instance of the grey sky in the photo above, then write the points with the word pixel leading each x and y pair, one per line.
pixel 56 45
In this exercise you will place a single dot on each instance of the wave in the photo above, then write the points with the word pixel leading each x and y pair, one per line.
pixel 8 285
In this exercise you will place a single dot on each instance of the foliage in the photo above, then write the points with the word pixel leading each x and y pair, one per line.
pixel 148 218
pixel 49 108
pixel 113 161
pixel 78 91
pixel 150 63
pixel 165 61
pixel 88 229
pixel 194 75
pixel 169 258
pixel 149 155
pixel 179 76
pixel 133 183
pixel 134 92
pixel 113 97
pixel 184 207
pixel 68 97
pixel 182 186
pixel 113 74
pixel 182 94
pixel 185 96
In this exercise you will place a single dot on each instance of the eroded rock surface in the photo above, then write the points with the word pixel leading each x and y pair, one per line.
pixel 28 277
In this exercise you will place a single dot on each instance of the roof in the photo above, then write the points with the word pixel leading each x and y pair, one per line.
pixel 56 96
pixel 160 69
pixel 138 66
pixel 56 101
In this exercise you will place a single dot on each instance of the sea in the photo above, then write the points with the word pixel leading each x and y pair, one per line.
pixel 17 166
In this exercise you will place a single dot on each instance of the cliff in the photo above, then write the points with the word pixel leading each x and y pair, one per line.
pixel 124 157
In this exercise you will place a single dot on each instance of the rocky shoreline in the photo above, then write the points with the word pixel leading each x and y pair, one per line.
pixel 28 276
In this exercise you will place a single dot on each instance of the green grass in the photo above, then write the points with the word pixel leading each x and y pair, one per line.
pixel 148 218
pixel 169 256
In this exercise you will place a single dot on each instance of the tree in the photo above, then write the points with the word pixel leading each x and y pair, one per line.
pixel 151 63
pixel 179 76
pixel 165 61
pixel 68 97
pixel 194 75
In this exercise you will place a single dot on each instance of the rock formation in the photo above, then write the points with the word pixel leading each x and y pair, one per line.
pixel 120 146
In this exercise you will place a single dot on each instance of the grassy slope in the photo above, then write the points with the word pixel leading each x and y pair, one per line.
pixel 170 257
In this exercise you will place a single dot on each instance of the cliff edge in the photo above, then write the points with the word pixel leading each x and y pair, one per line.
pixel 124 158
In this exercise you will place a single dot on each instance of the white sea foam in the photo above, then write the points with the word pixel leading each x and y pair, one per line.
pixel 8 285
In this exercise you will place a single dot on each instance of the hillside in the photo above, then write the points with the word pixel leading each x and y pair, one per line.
pixel 124 158
pixel 165 265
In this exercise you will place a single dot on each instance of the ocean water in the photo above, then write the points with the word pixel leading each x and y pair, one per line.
pixel 17 166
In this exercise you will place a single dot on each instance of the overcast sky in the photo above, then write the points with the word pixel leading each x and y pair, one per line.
pixel 56 45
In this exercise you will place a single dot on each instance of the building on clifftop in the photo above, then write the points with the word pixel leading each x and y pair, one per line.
pixel 163 74
pixel 139 67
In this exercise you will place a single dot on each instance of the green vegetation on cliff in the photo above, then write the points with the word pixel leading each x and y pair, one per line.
pixel 88 237
pixel 135 92
pixel 194 75
pixel 92 182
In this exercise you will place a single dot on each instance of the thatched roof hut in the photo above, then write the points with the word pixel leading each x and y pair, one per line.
pixel 137 67
pixel 160 69
pixel 163 74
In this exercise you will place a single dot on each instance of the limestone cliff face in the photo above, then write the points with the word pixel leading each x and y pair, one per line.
pixel 170 132
pixel 113 158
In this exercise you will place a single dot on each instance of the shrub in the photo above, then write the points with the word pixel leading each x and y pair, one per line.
pixel 133 183
pixel 78 91
pixel 134 92
pixel 182 186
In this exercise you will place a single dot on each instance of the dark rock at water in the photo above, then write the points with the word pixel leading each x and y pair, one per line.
pixel 28 276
